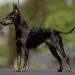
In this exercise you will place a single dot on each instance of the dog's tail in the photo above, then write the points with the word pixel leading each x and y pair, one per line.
pixel 70 31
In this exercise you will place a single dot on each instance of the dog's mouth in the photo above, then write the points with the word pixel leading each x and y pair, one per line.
pixel 6 22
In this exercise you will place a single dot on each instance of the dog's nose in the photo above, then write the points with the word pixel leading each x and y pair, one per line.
pixel 1 22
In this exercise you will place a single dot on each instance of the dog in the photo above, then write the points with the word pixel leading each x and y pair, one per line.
pixel 29 38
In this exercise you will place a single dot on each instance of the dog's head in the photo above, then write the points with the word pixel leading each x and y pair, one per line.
pixel 12 17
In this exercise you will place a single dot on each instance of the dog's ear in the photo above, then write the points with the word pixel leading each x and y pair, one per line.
pixel 15 8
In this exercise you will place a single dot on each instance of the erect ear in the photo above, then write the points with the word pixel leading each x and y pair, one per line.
pixel 15 8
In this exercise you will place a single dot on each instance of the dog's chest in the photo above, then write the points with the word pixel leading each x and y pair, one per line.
pixel 22 36
pixel 21 32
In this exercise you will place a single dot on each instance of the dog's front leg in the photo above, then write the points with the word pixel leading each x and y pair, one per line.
pixel 18 62
pixel 25 59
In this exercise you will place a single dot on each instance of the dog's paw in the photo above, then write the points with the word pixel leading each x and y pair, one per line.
pixel 60 70
pixel 23 69
pixel 17 70
pixel 68 70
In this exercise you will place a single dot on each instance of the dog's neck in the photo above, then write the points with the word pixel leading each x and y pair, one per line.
pixel 20 26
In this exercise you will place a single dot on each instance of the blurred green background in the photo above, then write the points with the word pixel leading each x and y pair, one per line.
pixel 56 14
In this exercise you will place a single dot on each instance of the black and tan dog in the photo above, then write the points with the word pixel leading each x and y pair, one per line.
pixel 27 38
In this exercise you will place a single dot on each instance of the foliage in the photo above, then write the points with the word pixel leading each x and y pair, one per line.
pixel 62 18
pixel 34 12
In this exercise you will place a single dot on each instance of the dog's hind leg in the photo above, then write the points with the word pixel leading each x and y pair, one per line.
pixel 55 54
pixel 60 49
